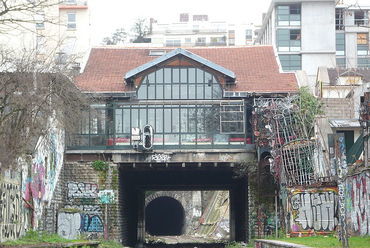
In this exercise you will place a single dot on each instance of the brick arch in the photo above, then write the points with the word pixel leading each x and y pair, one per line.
pixel 173 194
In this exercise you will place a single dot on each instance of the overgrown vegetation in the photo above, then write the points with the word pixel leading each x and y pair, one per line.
pixel 100 165
pixel 110 244
pixel 329 241
pixel 309 108
pixel 33 237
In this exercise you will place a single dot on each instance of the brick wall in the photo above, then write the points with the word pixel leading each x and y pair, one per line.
pixel 78 195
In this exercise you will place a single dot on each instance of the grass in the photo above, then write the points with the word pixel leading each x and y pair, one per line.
pixel 110 244
pixel 328 241
pixel 33 237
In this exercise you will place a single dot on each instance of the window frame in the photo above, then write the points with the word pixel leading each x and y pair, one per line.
pixel 71 24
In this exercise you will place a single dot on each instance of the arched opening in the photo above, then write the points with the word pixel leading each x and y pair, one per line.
pixel 164 216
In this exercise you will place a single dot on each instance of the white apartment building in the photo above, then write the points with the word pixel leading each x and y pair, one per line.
pixel 58 32
pixel 308 34
pixel 198 30
pixel 352 36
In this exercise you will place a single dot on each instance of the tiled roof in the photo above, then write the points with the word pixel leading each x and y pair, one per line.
pixel 335 73
pixel 255 67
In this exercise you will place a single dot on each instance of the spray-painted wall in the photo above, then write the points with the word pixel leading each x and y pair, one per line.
pixel 82 197
pixel 312 210
pixel 40 180
pixel 13 215
pixel 358 203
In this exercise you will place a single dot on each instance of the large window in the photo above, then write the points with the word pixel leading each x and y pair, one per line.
pixel 340 44
pixel 363 62
pixel 362 44
pixel 339 19
pixel 289 15
pixel 290 62
pixel 180 83
pixel 288 40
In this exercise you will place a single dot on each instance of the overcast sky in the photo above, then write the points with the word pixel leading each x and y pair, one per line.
pixel 108 15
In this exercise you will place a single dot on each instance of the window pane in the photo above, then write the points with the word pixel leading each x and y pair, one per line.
pixel 167 122
pixel 175 91
pixel 126 121
pixel 167 91
pixel 118 120
pixel 184 120
pixel 184 75
pixel 191 72
pixel 141 93
pixel 167 75
pixel 200 76
pixel 159 91
pixel 175 120
pixel 159 76
pixel 159 120
pixel 192 91
pixel 192 120
pixel 143 121
pixel 151 118
pixel 184 91
pixel 135 117
pixel 176 75
pixel 151 91
pixel 200 91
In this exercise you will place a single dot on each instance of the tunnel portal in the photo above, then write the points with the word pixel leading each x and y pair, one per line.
pixel 164 216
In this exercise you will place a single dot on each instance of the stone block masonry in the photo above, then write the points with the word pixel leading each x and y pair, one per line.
pixel 83 211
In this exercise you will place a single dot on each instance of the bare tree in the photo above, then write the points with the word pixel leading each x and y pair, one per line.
pixel 30 94
pixel 119 36
pixel 19 13
pixel 140 29
pixel 33 90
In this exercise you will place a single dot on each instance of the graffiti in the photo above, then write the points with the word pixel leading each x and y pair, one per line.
pixel 12 219
pixel 225 157
pixel 69 225
pixel 87 209
pixel 91 223
pixel 82 190
pixel 314 210
pixel 160 157
pixel 106 196
pixel 358 194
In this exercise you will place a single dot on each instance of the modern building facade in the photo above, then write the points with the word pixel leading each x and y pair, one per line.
pixel 198 30
pixel 175 120
pixel 352 36
pixel 310 34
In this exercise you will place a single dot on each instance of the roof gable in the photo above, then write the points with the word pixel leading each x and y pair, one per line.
pixel 255 67
pixel 179 52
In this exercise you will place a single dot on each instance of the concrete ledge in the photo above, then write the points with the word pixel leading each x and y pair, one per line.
pixel 265 243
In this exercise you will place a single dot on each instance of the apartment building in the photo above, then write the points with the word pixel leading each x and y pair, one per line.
pixel 58 32
pixel 352 36
pixel 308 34
pixel 302 32
pixel 198 30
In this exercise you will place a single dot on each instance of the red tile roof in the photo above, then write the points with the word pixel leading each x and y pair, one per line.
pixel 255 67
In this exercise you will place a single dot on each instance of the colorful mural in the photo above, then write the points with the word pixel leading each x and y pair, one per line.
pixel 312 210
pixel 358 203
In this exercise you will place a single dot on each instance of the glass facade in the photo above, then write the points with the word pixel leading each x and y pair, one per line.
pixel 288 15
pixel 362 44
pixel 184 106
pixel 290 62
pixel 288 40
pixel 363 62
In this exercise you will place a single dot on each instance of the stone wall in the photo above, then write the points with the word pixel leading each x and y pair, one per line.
pixel 90 206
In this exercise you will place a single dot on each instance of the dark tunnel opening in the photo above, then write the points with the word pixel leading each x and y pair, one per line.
pixel 164 216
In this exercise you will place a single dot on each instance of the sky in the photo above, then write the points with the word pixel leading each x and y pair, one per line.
pixel 108 15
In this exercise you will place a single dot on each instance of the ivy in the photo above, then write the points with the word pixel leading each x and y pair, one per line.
pixel 100 165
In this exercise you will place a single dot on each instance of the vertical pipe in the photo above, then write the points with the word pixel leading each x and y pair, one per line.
pixel 276 215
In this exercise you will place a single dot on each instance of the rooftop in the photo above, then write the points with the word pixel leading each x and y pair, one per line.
pixel 256 69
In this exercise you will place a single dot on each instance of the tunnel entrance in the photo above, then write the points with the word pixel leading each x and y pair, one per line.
pixel 164 216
